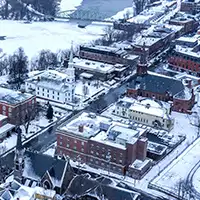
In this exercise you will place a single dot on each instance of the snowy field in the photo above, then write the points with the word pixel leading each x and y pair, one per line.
pixel 45 35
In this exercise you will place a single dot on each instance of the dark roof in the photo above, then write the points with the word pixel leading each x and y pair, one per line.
pixel 157 84
pixel 82 185
pixel 41 163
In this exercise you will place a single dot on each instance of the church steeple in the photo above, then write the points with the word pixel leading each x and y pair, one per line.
pixel 71 56
pixel 142 66
pixel 19 157
pixel 70 77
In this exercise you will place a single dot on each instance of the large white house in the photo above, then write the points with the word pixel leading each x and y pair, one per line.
pixel 146 111
pixel 53 85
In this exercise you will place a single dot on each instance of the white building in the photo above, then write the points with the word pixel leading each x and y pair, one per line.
pixel 145 111
pixel 53 85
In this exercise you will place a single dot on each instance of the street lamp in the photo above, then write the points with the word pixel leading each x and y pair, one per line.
pixel 108 158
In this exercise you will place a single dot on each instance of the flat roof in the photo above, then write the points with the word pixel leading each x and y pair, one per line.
pixel 147 40
pixel 187 39
pixel 13 97
pixel 93 65
pixel 102 129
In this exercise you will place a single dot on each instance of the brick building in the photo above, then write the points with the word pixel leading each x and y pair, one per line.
pixel 190 7
pixel 189 25
pixel 15 105
pixel 158 39
pixel 109 55
pixel 160 87
pixel 185 56
pixel 103 143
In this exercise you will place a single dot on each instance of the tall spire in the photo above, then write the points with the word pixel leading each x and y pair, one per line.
pixel 71 53
pixel 19 145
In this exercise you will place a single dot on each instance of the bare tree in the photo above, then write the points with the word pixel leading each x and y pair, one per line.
pixel 139 6
pixel 26 115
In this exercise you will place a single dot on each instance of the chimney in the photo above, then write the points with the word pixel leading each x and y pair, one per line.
pixel 81 128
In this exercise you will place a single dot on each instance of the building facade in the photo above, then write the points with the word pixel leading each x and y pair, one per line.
pixel 109 55
pixel 102 143
pixel 16 105
pixel 145 111
pixel 185 56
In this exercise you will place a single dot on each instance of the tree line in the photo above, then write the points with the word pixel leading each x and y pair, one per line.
pixel 17 65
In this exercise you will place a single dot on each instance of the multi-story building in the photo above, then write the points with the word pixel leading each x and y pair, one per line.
pixel 157 39
pixel 145 111
pixel 109 55
pixel 53 85
pixel 160 87
pixel 190 6
pixel 100 70
pixel 15 105
pixel 189 24
pixel 186 56
pixel 103 143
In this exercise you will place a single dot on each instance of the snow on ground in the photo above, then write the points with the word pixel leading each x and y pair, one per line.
pixel 196 180
pixel 43 121
pixel 3 79
pixel 126 13
pixel 179 169
pixel 69 5
pixel 45 35
pixel 50 151
pixel 92 89
pixel 34 127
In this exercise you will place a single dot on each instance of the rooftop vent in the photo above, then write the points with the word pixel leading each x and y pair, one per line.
pixel 148 105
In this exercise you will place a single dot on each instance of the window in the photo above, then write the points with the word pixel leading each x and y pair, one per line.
pixel 58 93
pixel 52 97
pixel 57 98
pixel 97 153
pixel 91 152
pixel 43 89
pixel 82 143
pixel 4 107
pixel 75 141
pixel 60 142
pixel 74 148
pixel 67 145
pixel 38 88
pixel 4 112
pixel 47 95
pixel 10 114
pixel 42 94
pixel 38 93
pixel 53 92
pixel 48 91
pixel 82 149
pixel 10 109
pixel 61 137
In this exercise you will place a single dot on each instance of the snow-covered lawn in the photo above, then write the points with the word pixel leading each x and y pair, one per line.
pixel 43 121
pixel 92 89
pixel 45 35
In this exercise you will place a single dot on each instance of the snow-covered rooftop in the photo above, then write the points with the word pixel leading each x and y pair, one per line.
pixel 2 117
pixel 146 105
pixel 13 97
pixel 187 39
pixel 103 129
pixel 93 65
